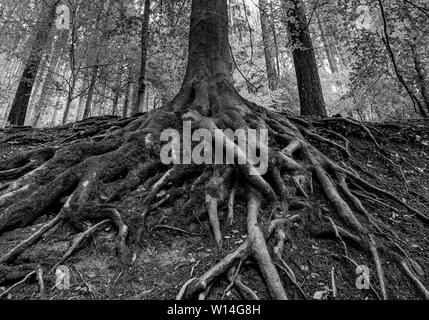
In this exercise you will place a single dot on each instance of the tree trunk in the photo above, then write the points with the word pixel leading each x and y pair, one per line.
pixel 33 108
pixel 117 90
pixel 43 102
pixel 70 98
pixel 421 79
pixel 328 46
pixel 18 111
pixel 59 100
pixel 128 91
pixel 100 176
pixel 81 104
pixel 46 96
pixel 144 51
pixel 268 46
pixel 386 40
pixel 103 99
pixel 309 86
pixel 208 85
pixel 94 77
pixel 339 49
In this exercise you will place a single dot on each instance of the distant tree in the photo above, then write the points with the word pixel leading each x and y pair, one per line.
pixel 143 61
pixel 268 42
pixel 307 74
pixel 38 42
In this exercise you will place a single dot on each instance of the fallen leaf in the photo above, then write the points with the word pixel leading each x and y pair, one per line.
pixel 321 295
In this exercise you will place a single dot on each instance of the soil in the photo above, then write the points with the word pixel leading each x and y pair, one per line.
pixel 169 258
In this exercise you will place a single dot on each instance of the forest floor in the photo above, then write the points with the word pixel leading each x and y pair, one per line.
pixel 169 257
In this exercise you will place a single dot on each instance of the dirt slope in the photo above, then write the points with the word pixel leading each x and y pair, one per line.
pixel 169 257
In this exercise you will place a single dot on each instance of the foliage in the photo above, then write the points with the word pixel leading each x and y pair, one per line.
pixel 106 34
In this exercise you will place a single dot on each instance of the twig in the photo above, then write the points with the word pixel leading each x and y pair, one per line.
pixel 232 278
pixel 5 294
pixel 162 226
pixel 184 288
pixel 79 241
pixel 30 241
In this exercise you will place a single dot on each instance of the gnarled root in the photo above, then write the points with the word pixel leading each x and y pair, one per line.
pixel 125 157
pixel 255 246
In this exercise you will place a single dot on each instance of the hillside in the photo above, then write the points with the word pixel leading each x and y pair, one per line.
pixel 179 246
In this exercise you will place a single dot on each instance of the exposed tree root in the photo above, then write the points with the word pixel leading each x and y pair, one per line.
pixel 414 279
pixel 212 208
pixel 316 137
pixel 79 241
pixel 41 283
pixel 82 181
pixel 387 195
pixel 255 246
pixel 231 202
pixel 30 241
pixel 161 226
pixel 23 281
pixel 259 249
pixel 353 123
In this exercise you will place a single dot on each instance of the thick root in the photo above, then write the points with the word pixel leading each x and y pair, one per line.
pixel 124 157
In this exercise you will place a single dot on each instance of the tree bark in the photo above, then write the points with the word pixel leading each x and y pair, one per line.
pixel 268 46
pixel 117 90
pixel 59 100
pixel 88 104
pixel 328 46
pixel 128 91
pixel 144 52
pixel 70 98
pixel 392 56
pixel 36 94
pixel 309 86
pixel 81 103
pixel 208 85
pixel 421 78
pixel 44 100
pixel 18 111
pixel 276 44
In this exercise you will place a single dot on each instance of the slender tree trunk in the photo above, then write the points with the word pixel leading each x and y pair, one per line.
pixel 117 90
pixel 401 79
pixel 276 46
pixel 42 76
pixel 43 102
pixel 46 96
pixel 115 102
pixel 340 52
pixel 128 91
pixel 328 46
pixel 57 109
pixel 103 100
pixel 91 90
pixel 309 86
pixel 127 100
pixel 70 98
pixel 59 100
pixel 268 46
pixel 144 52
pixel 421 78
pixel 18 111
pixel 81 105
